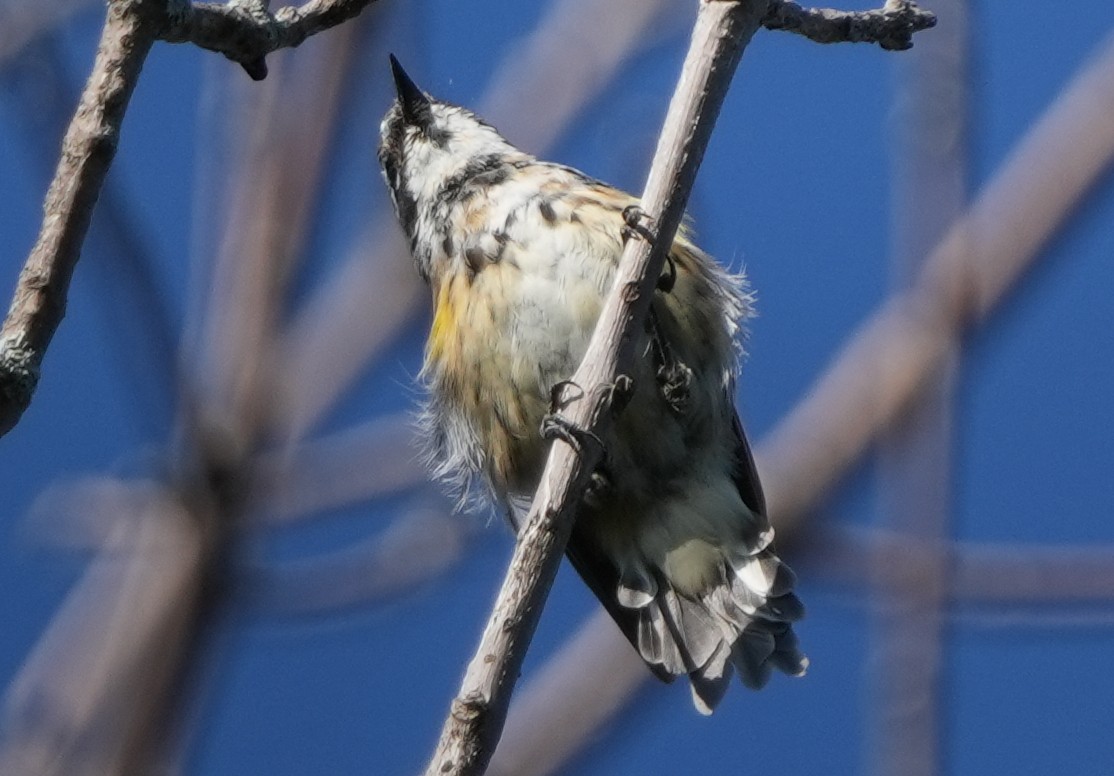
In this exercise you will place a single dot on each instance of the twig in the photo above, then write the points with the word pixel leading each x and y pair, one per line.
pixel 247 36
pixel 892 27
pixel 475 722
pixel 134 305
pixel 569 700
pixel 112 725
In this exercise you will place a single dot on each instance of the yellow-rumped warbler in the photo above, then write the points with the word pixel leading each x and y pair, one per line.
pixel 519 253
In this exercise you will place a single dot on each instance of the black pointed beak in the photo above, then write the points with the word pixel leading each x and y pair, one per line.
pixel 415 105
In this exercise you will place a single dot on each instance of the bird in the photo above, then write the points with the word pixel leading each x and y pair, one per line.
pixel 673 536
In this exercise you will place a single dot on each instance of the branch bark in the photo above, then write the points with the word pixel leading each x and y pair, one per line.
pixel 479 710
pixel 246 32
pixel 87 152
pixel 892 27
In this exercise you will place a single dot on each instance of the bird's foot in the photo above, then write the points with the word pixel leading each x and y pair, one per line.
pixel 557 426
pixel 674 378
pixel 600 486
pixel 637 224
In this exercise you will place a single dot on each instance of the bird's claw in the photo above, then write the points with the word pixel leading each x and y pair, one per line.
pixel 599 486
pixel 674 378
pixel 557 426
pixel 557 400
pixel 669 279
pixel 636 224
pixel 620 393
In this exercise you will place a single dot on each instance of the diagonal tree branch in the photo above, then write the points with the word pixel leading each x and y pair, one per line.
pixel 476 719
pixel 87 152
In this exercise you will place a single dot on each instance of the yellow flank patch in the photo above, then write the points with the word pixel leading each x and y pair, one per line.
pixel 461 345
pixel 444 326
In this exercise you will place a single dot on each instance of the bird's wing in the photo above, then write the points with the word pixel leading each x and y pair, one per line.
pixel 746 473
pixel 598 573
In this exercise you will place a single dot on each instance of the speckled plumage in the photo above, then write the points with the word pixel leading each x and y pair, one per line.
pixel 519 255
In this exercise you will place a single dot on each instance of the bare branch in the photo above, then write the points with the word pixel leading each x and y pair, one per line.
pixel 131 28
pixel 892 27
pixel 568 701
pixel 475 723
pixel 156 640
pixel 247 35
pixel 87 152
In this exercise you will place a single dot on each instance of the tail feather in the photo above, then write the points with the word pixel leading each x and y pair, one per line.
pixel 743 625
pixel 751 654
pixel 656 644
pixel 691 627
pixel 637 588
pixel 710 682
pixel 786 608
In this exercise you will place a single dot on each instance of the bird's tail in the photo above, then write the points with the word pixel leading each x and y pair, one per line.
pixel 743 624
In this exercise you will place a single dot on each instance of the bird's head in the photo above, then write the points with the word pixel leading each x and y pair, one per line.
pixel 425 146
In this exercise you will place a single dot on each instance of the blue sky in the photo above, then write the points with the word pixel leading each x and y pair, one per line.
pixel 797 186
